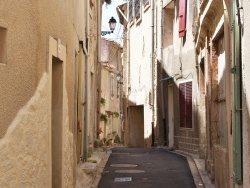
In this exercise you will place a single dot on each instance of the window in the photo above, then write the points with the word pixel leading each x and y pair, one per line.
pixel 145 2
pixel 112 85
pixel 118 90
pixel 137 9
pixel 130 12
pixel 182 18
pixel 3 45
pixel 185 103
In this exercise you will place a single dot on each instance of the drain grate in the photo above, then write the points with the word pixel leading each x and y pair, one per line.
pixel 123 179
pixel 175 170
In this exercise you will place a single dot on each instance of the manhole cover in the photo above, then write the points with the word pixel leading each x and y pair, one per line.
pixel 123 179
pixel 124 165
pixel 175 170
pixel 130 171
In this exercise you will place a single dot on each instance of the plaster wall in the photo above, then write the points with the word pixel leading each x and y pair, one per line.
pixel 246 94
pixel 179 62
pixel 24 116
pixel 111 54
pixel 24 148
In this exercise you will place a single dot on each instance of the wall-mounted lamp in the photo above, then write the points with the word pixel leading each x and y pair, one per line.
pixel 119 78
pixel 112 24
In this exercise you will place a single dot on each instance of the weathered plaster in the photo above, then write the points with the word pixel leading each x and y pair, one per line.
pixel 24 159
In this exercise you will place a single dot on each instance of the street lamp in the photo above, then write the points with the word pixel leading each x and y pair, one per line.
pixel 112 24
pixel 119 78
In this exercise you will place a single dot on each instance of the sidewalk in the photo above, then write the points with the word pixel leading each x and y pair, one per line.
pixel 89 173
pixel 197 167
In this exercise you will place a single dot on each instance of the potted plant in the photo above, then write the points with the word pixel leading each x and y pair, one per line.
pixel 102 101
pixel 115 114
pixel 103 117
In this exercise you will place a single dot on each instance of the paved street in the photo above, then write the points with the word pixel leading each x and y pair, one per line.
pixel 146 167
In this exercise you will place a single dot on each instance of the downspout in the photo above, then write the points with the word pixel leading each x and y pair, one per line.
pixel 99 67
pixel 162 91
pixel 86 124
pixel 127 117
pixel 153 67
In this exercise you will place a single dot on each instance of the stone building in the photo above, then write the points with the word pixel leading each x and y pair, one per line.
pixel 111 110
pixel 161 76
pixel 221 42
pixel 49 82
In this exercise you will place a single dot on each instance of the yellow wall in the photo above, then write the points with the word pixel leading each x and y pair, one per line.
pixel 25 88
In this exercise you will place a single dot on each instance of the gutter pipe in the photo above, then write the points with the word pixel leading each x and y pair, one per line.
pixel 153 67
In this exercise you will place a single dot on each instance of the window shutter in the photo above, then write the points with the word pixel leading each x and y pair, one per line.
pixel 182 104
pixel 189 105
pixel 185 104
pixel 182 18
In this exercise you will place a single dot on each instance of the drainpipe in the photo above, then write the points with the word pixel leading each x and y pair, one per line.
pixel 127 116
pixel 162 91
pixel 86 124
pixel 153 67
pixel 99 67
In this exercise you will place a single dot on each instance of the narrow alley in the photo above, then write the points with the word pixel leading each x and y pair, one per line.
pixel 139 167
pixel 157 88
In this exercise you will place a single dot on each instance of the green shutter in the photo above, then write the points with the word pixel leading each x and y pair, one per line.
pixel 237 124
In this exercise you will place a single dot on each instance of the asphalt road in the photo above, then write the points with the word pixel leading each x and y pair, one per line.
pixel 146 168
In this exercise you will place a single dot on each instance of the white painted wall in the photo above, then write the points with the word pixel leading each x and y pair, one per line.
pixel 140 66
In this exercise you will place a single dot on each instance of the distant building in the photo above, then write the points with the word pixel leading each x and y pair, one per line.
pixel 111 91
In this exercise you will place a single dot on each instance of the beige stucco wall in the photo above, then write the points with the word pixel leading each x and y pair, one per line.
pixel 25 89
pixel 113 103
pixel 25 158
pixel 25 145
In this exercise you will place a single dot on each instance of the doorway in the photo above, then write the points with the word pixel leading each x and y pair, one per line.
pixel 56 121
pixel 170 116
pixel 136 126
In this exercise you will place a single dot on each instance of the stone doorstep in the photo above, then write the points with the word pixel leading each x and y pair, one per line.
pixel 89 168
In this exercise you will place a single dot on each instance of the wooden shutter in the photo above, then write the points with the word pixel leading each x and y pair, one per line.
pixel 182 104
pixel 182 18
pixel 185 104
pixel 189 105
pixel 237 110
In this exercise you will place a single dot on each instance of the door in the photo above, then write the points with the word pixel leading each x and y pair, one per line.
pixel 170 116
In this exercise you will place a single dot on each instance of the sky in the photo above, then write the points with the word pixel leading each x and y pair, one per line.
pixel 107 12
